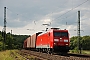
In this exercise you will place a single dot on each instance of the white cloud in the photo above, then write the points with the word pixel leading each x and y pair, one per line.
pixel 46 21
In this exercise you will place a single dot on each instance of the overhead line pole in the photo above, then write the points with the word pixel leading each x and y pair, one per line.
pixel 78 32
pixel 4 27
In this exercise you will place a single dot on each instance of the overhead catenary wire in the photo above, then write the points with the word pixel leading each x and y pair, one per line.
pixel 72 9
pixel 60 17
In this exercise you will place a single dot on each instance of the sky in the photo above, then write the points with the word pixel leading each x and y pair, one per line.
pixel 26 17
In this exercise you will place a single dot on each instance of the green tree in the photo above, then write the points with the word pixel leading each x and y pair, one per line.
pixel 1 42
pixel 9 41
pixel 1 46
pixel 73 42
pixel 86 42
pixel 12 41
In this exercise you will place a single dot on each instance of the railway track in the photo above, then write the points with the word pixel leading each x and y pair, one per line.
pixel 28 56
pixel 45 56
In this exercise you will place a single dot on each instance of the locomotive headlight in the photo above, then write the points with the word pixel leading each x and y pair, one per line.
pixel 66 44
pixel 56 40
pixel 60 38
pixel 65 40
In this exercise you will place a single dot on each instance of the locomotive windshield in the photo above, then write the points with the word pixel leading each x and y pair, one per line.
pixel 61 34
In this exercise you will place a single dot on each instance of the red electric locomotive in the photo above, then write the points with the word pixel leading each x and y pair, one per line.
pixel 53 40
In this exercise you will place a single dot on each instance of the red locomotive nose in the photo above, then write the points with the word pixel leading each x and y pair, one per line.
pixel 61 41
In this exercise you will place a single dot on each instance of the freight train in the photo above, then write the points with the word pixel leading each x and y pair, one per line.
pixel 53 40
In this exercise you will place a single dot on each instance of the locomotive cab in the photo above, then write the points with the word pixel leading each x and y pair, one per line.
pixel 61 40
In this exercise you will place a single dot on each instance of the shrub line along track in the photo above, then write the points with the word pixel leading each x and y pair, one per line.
pixel 45 56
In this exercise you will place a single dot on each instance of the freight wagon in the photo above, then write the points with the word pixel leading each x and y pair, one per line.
pixel 26 44
pixel 30 42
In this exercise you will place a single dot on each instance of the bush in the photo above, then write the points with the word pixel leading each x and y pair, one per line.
pixel 1 46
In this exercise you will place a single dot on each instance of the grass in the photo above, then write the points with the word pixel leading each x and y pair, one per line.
pixel 5 55
pixel 82 51
pixel 16 55
pixel 12 55
pixel 86 51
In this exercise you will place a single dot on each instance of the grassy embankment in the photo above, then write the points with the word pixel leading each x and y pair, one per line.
pixel 13 55
pixel 5 55
pixel 10 55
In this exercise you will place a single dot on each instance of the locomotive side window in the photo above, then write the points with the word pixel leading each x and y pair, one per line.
pixel 61 34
